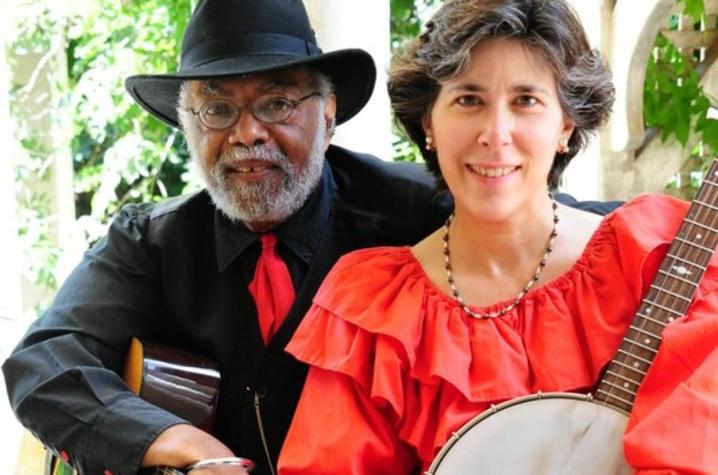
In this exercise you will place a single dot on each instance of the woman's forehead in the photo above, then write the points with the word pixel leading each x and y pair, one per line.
pixel 507 61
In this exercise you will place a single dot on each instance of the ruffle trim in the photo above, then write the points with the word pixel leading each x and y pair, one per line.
pixel 379 319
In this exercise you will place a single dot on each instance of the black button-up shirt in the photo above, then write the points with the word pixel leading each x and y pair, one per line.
pixel 178 273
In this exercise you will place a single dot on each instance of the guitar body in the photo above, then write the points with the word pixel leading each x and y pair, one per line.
pixel 543 434
pixel 178 381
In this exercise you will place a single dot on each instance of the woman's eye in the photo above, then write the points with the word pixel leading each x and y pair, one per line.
pixel 526 101
pixel 469 100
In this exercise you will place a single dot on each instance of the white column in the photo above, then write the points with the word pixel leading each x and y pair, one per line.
pixel 11 323
pixel 10 294
pixel 634 29
pixel 359 24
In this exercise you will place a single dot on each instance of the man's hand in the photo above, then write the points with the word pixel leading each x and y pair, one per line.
pixel 183 445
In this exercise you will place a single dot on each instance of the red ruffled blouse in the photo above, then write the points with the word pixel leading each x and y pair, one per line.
pixel 397 366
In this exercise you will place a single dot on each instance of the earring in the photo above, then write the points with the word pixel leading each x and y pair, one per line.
pixel 563 146
pixel 429 143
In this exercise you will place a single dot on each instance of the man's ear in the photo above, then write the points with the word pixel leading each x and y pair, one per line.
pixel 330 113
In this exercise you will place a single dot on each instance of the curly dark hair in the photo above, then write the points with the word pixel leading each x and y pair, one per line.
pixel 548 27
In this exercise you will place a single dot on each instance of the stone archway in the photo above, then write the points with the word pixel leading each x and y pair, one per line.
pixel 633 26
pixel 634 160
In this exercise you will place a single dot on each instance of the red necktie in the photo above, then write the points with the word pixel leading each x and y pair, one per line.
pixel 271 288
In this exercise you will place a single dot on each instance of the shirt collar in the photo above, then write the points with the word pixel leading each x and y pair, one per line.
pixel 301 233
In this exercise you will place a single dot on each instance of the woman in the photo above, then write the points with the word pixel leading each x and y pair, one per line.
pixel 515 294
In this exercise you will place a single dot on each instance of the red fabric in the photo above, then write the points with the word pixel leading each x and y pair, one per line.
pixel 404 366
pixel 271 288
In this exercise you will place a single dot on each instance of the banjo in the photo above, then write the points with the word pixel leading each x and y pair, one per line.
pixel 568 433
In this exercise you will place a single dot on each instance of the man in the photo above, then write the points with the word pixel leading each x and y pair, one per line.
pixel 258 102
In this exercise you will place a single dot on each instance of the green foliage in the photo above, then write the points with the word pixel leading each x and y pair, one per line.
pixel 674 102
pixel 672 95
pixel 694 8
pixel 406 21
pixel 120 153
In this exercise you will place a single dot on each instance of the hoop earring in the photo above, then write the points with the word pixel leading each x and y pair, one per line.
pixel 429 143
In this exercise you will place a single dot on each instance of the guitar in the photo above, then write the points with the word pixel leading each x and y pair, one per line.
pixel 566 433
pixel 178 381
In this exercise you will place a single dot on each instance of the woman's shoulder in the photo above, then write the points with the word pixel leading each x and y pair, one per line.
pixel 373 256
pixel 648 220
pixel 371 294
pixel 365 283
pixel 365 270
pixel 652 209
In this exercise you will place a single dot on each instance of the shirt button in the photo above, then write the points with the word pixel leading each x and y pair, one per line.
pixel 65 456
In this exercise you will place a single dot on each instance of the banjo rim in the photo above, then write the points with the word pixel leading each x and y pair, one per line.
pixel 494 408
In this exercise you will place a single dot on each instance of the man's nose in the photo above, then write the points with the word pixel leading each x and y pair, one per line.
pixel 248 130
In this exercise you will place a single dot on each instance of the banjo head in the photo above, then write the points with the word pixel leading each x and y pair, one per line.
pixel 542 434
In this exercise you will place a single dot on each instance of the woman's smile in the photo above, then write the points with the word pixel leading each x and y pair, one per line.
pixel 493 171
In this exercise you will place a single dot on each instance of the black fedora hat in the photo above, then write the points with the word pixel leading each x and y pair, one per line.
pixel 229 38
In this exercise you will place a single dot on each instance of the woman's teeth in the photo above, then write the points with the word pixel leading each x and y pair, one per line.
pixel 492 172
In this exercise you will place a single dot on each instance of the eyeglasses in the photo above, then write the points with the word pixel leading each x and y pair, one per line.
pixel 220 114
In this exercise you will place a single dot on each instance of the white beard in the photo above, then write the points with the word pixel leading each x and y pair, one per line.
pixel 272 201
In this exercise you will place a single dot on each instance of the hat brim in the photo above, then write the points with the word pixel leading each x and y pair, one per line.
pixel 352 72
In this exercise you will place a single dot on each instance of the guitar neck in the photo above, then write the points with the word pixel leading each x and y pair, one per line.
pixel 667 299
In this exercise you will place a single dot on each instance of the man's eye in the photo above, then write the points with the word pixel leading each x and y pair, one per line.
pixel 277 104
pixel 218 109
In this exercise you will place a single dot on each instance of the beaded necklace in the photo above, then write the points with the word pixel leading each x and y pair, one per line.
pixel 455 292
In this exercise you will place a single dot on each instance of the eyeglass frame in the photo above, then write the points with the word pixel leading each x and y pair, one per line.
pixel 293 102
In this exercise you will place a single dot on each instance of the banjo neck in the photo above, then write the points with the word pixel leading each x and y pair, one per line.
pixel 667 299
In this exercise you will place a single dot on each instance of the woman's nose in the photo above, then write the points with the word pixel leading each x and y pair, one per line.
pixel 496 127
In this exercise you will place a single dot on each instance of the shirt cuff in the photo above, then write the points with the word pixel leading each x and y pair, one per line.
pixel 122 434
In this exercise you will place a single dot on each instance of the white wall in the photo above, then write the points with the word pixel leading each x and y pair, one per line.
pixel 583 176
pixel 359 24
pixel 11 323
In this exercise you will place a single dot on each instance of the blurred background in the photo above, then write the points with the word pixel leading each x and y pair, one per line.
pixel 75 148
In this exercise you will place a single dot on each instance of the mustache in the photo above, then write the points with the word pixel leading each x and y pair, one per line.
pixel 255 152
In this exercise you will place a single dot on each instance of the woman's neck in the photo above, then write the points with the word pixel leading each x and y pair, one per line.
pixel 502 246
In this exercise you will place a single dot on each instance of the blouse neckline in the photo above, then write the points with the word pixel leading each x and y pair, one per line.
pixel 599 236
